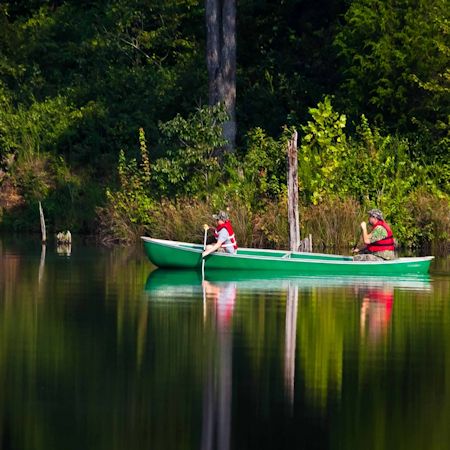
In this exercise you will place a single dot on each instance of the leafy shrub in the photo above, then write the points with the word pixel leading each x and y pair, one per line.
pixel 39 128
pixel 129 209
pixel 341 178
pixel 263 168
pixel 322 151
pixel 191 167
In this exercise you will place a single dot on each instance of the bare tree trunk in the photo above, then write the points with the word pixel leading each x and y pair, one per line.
pixel 221 60
pixel 294 226
pixel 213 20
pixel 228 94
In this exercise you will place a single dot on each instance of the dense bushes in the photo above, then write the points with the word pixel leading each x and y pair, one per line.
pixel 78 79
pixel 340 176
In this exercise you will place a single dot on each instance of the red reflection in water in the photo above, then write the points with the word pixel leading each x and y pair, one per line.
pixel 376 312
pixel 219 301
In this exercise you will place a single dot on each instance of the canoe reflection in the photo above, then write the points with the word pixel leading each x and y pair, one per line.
pixel 166 283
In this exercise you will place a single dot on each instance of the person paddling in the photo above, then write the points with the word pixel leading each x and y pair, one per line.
pixel 224 234
pixel 379 243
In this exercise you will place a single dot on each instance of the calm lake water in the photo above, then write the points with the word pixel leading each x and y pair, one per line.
pixel 98 350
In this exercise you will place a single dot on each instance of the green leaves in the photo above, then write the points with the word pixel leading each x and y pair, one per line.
pixel 321 153
pixel 394 54
pixel 129 208
pixel 191 145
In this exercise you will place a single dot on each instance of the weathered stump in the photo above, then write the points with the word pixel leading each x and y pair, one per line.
pixel 293 217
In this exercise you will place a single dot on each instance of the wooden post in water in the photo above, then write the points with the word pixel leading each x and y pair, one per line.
pixel 294 227
pixel 43 232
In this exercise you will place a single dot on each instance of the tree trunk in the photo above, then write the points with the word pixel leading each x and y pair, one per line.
pixel 221 61
pixel 213 49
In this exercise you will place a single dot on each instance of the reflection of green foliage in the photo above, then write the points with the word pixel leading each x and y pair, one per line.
pixel 321 336
pixel 87 361
pixel 87 347
pixel 403 385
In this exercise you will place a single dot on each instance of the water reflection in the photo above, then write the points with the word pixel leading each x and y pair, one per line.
pixel 217 391
pixel 90 358
pixel 64 249
pixel 376 311
pixel 290 342
pixel 317 321
pixel 42 263
pixel 165 282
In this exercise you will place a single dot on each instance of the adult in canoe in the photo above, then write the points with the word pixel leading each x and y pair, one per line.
pixel 224 234
pixel 379 243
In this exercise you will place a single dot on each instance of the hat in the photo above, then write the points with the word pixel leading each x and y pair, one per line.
pixel 221 215
pixel 376 213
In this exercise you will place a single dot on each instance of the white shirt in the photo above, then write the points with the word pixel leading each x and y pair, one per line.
pixel 224 238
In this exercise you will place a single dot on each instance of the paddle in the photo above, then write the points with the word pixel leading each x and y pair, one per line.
pixel 358 232
pixel 205 228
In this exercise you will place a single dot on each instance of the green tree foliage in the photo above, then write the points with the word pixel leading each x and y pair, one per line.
pixel 78 79
pixel 128 211
pixel 322 152
pixel 28 131
pixel 264 168
pixel 120 64
pixel 192 163
pixel 286 61
pixel 393 52
pixel 375 169
pixel 341 177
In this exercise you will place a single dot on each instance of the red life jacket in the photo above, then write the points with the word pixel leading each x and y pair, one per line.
pixel 381 245
pixel 229 228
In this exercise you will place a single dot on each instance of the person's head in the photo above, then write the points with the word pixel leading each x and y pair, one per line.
pixel 375 215
pixel 221 216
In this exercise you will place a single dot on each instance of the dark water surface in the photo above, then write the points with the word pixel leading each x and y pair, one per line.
pixel 100 351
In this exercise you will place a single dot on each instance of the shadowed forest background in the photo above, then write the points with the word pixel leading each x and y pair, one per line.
pixel 104 118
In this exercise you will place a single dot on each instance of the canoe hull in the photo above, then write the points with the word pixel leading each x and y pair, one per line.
pixel 178 255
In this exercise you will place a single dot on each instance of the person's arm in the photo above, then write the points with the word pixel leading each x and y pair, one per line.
pixel 366 238
pixel 365 235
pixel 221 238
pixel 212 249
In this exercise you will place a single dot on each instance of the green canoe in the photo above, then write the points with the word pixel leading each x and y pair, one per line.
pixel 183 255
